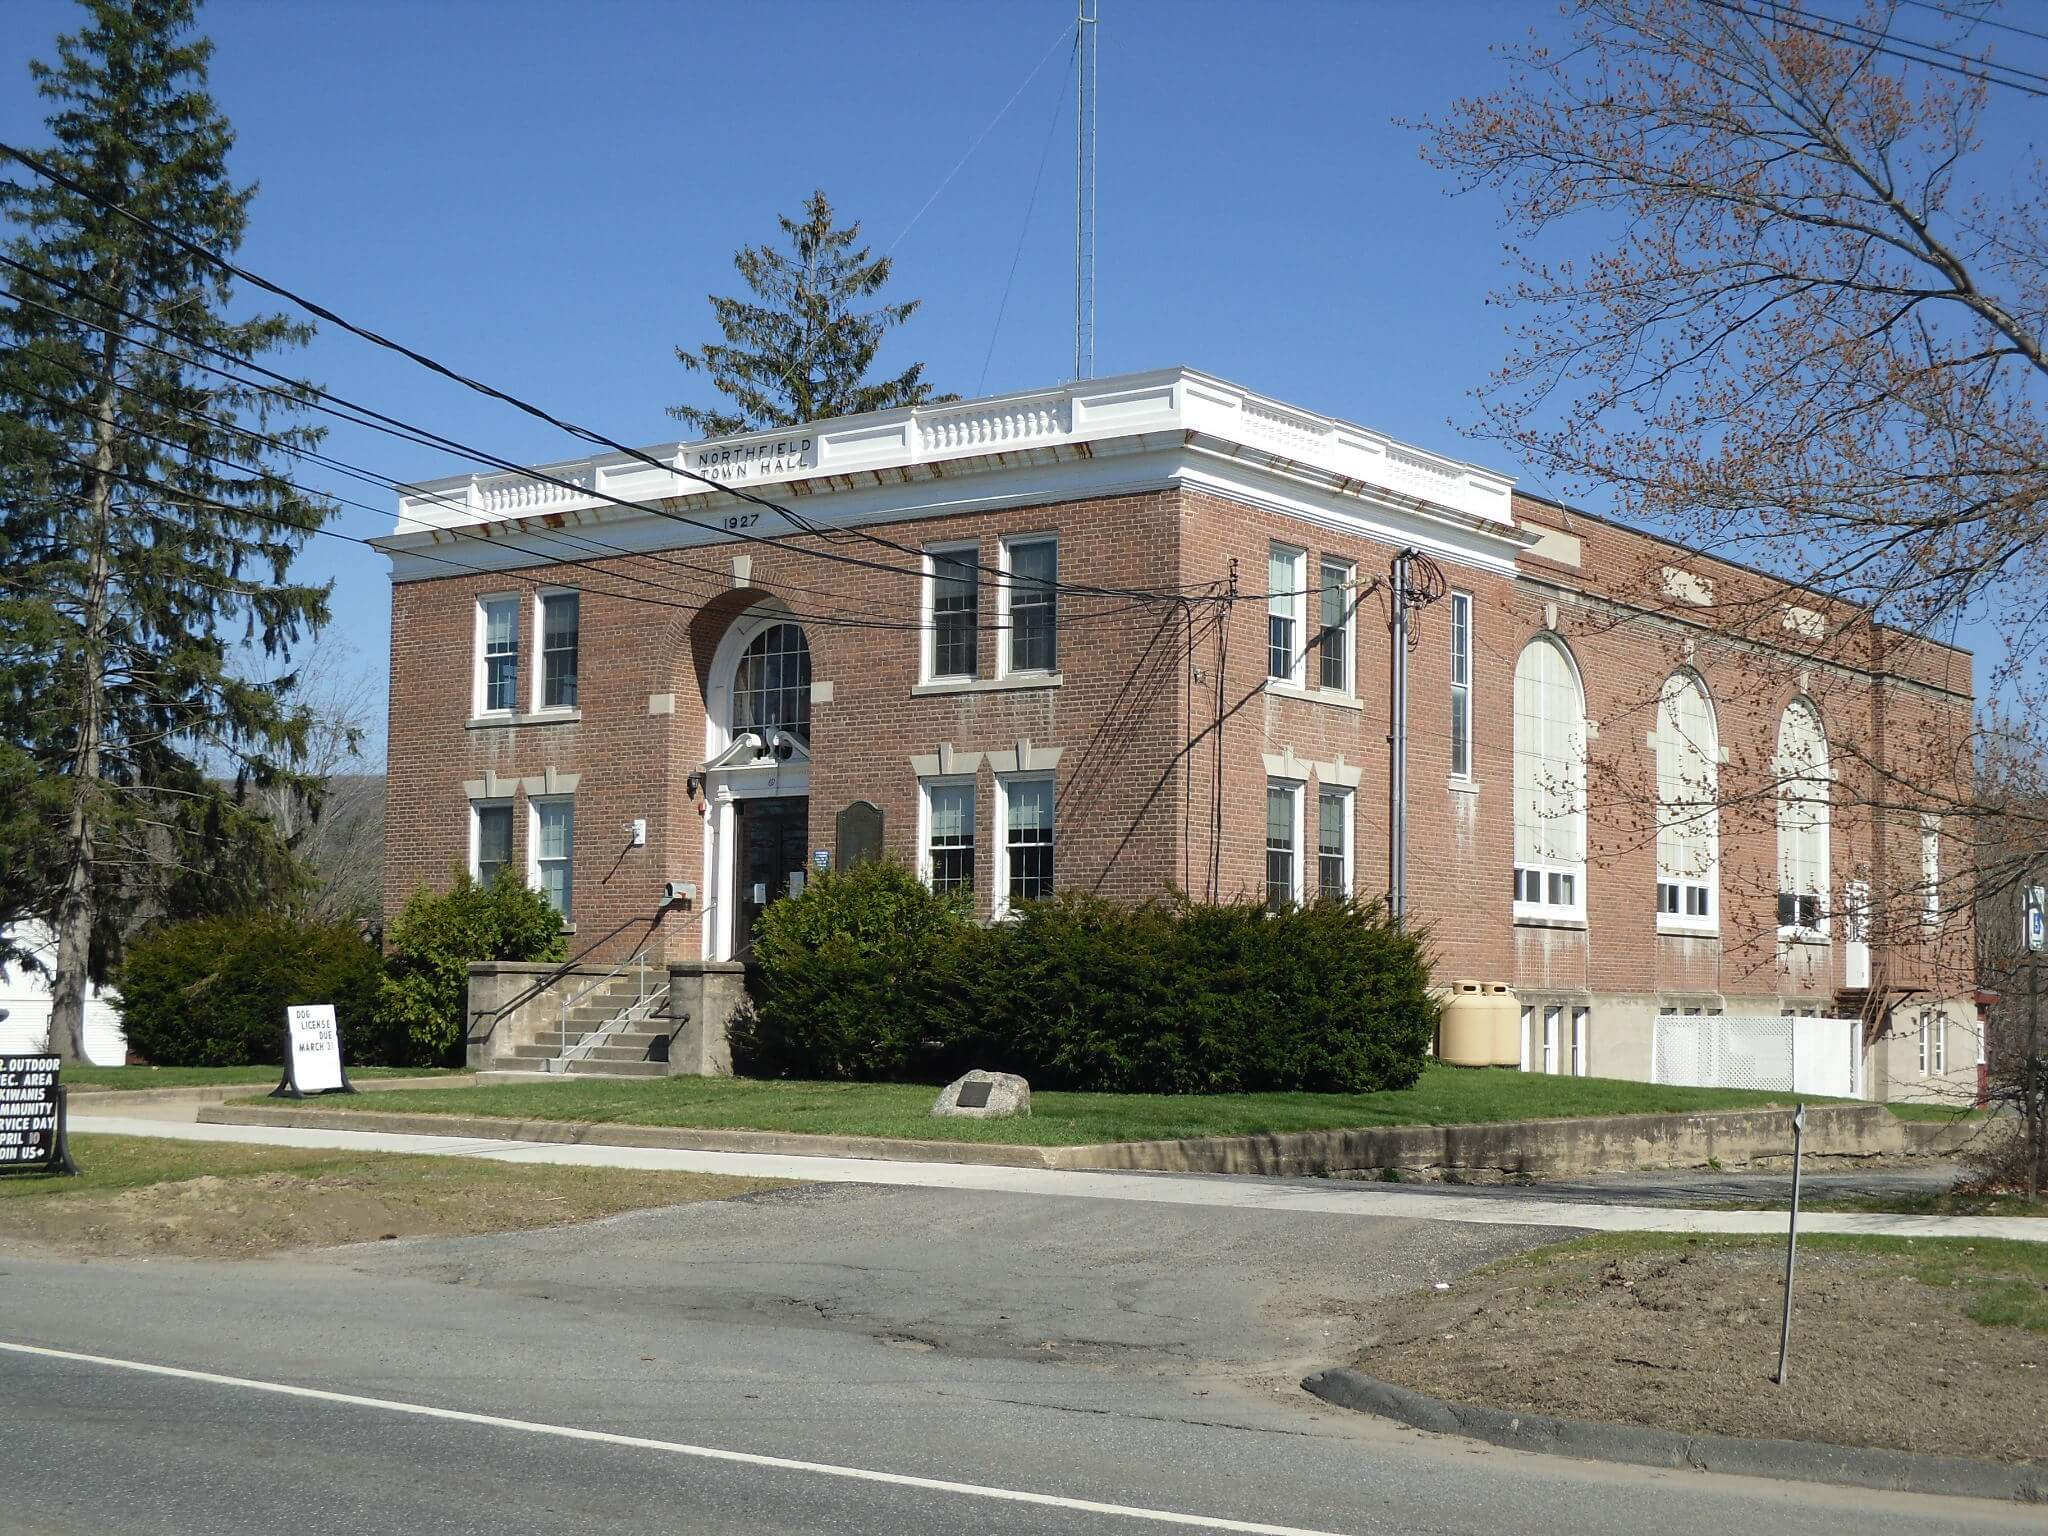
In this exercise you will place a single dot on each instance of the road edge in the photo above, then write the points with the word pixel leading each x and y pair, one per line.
pixel 1638 1445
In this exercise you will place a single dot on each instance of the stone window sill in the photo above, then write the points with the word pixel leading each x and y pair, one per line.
pixel 1531 920
pixel 1460 786
pixel 1803 936
pixel 1670 930
pixel 538 717
pixel 1016 682
pixel 1281 690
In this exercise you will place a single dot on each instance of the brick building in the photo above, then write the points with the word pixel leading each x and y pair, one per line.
pixel 1133 633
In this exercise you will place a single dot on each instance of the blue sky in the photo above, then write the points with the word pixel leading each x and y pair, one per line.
pixel 544 193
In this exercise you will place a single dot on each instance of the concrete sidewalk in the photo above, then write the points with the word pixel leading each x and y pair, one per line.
pixel 1321 1197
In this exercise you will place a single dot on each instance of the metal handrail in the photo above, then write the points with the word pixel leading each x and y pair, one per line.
pixel 638 960
pixel 633 1013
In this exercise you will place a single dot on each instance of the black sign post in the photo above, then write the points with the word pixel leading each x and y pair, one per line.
pixel 312 1053
pixel 32 1112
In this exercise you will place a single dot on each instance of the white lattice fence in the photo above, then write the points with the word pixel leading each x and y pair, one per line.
pixel 1765 1051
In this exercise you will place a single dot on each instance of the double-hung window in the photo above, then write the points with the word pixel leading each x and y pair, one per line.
pixel 1461 685
pixel 1930 870
pixel 560 624
pixel 1283 843
pixel 490 840
pixel 1333 844
pixel 1031 598
pixel 497 655
pixel 1027 839
pixel 1550 784
pixel 1688 811
pixel 1333 633
pixel 1286 581
pixel 1804 782
pixel 553 840
pixel 952 578
pixel 949 838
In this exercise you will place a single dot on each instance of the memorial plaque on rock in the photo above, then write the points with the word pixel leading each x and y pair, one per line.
pixel 984 1096
pixel 32 1110
pixel 860 833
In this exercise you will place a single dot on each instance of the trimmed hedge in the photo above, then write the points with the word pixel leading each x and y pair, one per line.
pixel 212 992
pixel 868 975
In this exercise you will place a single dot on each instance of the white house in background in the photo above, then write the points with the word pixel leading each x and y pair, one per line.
pixel 25 1005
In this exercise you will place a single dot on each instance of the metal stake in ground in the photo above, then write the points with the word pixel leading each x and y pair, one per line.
pixel 1791 1242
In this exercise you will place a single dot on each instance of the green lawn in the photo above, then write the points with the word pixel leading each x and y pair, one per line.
pixel 1444 1096
pixel 1940 1113
pixel 84 1076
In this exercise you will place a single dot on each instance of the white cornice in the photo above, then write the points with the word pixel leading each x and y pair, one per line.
pixel 1091 438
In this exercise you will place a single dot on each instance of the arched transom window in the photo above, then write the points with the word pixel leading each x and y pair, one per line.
pixel 771 686
pixel 1688 800
pixel 1803 784
pixel 1550 783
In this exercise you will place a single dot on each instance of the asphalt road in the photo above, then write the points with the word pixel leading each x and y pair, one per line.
pixel 887 1360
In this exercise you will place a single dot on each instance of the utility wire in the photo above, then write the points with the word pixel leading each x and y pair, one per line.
pixel 1975 20
pixel 539 413
pixel 1974 72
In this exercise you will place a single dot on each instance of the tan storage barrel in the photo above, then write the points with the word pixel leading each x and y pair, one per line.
pixel 1504 1021
pixel 1466 1035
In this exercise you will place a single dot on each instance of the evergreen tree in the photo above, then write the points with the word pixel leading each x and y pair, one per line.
pixel 145 528
pixel 800 351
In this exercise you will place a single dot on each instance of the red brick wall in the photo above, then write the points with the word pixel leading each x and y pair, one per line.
pixel 1136 719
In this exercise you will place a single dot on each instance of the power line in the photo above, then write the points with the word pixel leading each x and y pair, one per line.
pixel 1877 43
pixel 1003 304
pixel 1975 20
pixel 540 413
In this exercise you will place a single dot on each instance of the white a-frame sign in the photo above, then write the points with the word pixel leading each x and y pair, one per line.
pixel 312 1053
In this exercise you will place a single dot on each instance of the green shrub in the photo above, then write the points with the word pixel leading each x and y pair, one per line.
pixel 868 975
pixel 855 978
pixel 425 995
pixel 213 992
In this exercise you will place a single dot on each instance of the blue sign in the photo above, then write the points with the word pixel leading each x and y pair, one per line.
pixel 2037 917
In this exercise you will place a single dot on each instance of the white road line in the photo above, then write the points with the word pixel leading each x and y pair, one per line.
pixel 674 1447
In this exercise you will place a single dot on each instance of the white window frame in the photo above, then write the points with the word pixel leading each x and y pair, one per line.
pixel 1295 789
pixel 1930 870
pixel 1005 586
pixel 1542 906
pixel 1707 884
pixel 1553 1017
pixel 1528 1028
pixel 1349 797
pixel 476 839
pixel 1347 687
pixel 1822 830
pixel 1938 1019
pixel 479 690
pixel 534 803
pixel 1461 663
pixel 1581 1018
pixel 1289 602
pixel 536 688
pixel 925 787
pixel 1005 785
pixel 928 623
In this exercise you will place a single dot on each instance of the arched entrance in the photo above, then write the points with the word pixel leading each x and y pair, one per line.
pixel 757 775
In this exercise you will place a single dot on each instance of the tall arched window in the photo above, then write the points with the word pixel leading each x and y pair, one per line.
pixel 1803 781
pixel 771 686
pixel 1688 800
pixel 1550 783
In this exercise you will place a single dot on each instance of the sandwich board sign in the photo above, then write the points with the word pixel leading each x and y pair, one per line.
pixel 32 1135
pixel 312 1053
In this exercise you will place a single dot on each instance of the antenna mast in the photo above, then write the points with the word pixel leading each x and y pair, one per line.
pixel 1084 188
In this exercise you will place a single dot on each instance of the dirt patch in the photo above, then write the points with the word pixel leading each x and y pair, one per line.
pixel 338 1200
pixel 1683 1334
